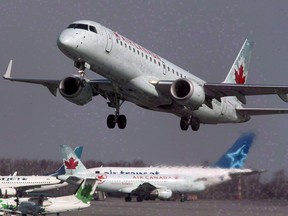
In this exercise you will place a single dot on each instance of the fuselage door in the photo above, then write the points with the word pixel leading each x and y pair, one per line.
pixel 164 68
pixel 109 42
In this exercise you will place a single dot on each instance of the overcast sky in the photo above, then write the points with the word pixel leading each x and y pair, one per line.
pixel 200 36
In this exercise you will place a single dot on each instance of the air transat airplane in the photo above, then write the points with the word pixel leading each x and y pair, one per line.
pixel 135 74
pixel 52 205
pixel 165 181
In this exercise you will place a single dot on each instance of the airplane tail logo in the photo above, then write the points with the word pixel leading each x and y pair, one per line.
pixel 72 164
pixel 235 157
pixel 86 190
pixel 239 70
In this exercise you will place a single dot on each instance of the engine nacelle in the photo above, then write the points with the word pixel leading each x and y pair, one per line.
pixel 188 93
pixel 76 91
pixel 8 192
pixel 162 193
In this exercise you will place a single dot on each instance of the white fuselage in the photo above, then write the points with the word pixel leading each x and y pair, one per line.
pixel 132 68
pixel 177 179
pixel 29 182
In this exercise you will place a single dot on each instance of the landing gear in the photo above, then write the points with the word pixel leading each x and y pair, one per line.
pixel 192 121
pixel 117 118
pixel 139 198
pixel 113 119
pixel 81 67
pixel 128 198
pixel 195 124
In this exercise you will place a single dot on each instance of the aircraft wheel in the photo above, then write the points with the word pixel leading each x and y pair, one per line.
pixel 195 124
pixel 139 198
pixel 128 199
pixel 183 124
pixel 111 121
pixel 122 121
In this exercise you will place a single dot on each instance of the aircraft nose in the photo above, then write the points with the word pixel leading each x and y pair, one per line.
pixel 65 42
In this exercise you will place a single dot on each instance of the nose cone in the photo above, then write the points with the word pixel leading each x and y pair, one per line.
pixel 65 42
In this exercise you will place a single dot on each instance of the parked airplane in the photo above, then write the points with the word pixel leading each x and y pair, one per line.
pixel 16 185
pixel 40 205
pixel 167 180
pixel 144 78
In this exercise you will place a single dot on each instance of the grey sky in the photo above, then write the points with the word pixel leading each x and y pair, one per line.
pixel 200 36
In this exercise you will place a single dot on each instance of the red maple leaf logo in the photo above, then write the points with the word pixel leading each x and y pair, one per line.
pixel 71 163
pixel 101 178
pixel 239 75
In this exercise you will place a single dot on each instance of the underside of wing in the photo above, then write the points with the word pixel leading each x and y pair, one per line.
pixel 145 188
pixel 261 111
pixel 218 90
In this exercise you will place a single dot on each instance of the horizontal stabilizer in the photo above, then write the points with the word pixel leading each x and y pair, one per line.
pixel 261 111
pixel 236 173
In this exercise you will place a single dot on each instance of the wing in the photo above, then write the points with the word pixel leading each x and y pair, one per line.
pixel 261 111
pixel 217 90
pixel 99 86
pixel 145 188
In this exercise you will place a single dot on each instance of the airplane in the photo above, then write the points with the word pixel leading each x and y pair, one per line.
pixel 135 74
pixel 168 181
pixel 17 185
pixel 49 205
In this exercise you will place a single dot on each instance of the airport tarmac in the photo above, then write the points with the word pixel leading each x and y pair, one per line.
pixel 117 206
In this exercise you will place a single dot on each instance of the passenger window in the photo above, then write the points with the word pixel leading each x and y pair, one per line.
pixel 117 41
pixel 146 57
pixel 173 71
pixel 134 50
pixel 150 59
pixel 155 61
pixel 181 75
pixel 125 45
pixel 121 43
pixel 93 29
pixel 159 63
pixel 138 52
pixel 168 68
pixel 129 47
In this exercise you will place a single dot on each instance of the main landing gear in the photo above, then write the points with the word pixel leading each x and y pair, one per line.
pixel 192 121
pixel 118 119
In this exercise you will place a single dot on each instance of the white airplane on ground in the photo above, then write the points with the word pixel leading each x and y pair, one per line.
pixel 17 185
pixel 165 181
pixel 42 206
pixel 142 77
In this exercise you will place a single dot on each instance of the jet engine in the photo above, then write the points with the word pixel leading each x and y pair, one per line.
pixel 188 93
pixel 8 192
pixel 162 193
pixel 76 90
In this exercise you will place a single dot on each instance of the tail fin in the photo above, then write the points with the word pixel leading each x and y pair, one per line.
pixel 61 171
pixel 86 190
pixel 73 165
pixel 237 154
pixel 239 70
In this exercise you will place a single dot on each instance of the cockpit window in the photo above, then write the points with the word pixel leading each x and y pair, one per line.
pixel 78 26
pixel 93 29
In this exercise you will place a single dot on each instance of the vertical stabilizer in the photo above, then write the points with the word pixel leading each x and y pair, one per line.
pixel 239 70
pixel 237 154
pixel 73 165
pixel 61 171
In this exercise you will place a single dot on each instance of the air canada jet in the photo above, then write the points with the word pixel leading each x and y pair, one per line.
pixel 52 205
pixel 17 185
pixel 135 74
pixel 167 181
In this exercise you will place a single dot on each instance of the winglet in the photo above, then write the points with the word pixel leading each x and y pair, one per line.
pixel 7 74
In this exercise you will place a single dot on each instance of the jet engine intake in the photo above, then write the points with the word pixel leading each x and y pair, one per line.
pixel 76 90
pixel 162 193
pixel 8 192
pixel 188 93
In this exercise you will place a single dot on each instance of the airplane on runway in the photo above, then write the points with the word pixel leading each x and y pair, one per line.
pixel 51 205
pixel 17 185
pixel 135 74
pixel 167 181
